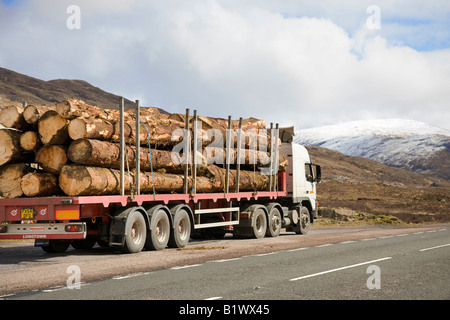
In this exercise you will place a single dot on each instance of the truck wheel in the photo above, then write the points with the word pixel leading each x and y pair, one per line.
pixel 303 222
pixel 274 223
pixel 135 232
pixel 181 231
pixel 158 236
pixel 56 246
pixel 259 223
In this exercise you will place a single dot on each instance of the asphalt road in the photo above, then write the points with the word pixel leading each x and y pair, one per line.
pixel 402 265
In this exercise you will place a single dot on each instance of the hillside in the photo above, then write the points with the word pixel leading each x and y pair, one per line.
pixel 16 88
pixel 364 185
pixel 401 143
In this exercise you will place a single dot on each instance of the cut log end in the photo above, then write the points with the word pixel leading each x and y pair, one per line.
pixel 53 128
pixel 39 184
pixel 74 180
pixel 10 178
pixel 6 147
pixel 80 151
pixel 10 116
pixel 10 151
pixel 32 114
pixel 52 158
pixel 29 141
pixel 77 129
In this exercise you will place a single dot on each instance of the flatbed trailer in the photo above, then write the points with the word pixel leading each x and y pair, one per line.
pixel 137 221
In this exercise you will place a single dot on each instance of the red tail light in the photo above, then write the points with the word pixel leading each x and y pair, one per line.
pixel 74 228
pixel 3 228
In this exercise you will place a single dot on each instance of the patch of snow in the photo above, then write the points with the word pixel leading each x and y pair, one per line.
pixel 394 142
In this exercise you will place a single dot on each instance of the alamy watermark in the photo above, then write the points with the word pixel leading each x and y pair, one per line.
pixel 73 21
pixel 374 280
pixel 373 22
pixel 74 279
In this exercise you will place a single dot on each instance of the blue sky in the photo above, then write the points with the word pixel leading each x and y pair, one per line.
pixel 304 63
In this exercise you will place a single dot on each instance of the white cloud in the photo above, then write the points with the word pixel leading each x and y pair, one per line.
pixel 286 61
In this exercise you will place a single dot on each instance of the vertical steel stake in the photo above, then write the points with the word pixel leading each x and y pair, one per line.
pixel 187 152
pixel 137 175
pixel 122 147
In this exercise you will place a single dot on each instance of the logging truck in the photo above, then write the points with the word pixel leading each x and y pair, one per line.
pixel 115 195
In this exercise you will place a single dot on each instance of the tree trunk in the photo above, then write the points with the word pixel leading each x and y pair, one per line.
pixel 52 158
pixel 10 150
pixel 12 117
pixel 77 180
pixel 29 141
pixel 249 157
pixel 32 114
pixel 101 129
pixel 39 184
pixel 72 108
pixel 90 128
pixel 248 180
pixel 52 128
pixel 107 154
pixel 10 178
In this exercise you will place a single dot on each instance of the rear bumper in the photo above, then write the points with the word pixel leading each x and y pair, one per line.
pixel 43 231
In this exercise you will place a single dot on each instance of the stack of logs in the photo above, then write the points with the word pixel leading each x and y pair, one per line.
pixel 73 148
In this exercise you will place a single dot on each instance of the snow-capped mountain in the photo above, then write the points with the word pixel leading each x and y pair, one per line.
pixel 408 144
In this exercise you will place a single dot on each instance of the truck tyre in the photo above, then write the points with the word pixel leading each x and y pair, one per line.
pixel 159 233
pixel 56 246
pixel 135 232
pixel 254 227
pixel 181 231
pixel 274 222
pixel 259 223
pixel 304 221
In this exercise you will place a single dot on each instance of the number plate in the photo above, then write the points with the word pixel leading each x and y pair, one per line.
pixel 26 213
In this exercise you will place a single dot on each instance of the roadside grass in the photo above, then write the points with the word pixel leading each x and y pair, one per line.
pixel 359 219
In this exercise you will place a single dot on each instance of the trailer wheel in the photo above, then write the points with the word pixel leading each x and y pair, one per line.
pixel 303 222
pixel 181 231
pixel 159 233
pixel 259 224
pixel 254 227
pixel 274 223
pixel 56 246
pixel 135 232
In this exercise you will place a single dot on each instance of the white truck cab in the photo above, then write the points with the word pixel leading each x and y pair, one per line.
pixel 301 176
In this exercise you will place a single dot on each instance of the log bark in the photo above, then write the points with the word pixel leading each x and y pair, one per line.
pixel 220 123
pixel 29 141
pixel 107 154
pixel 101 129
pixel 72 108
pixel 249 157
pixel 32 114
pixel 76 180
pixel 248 180
pixel 52 158
pixel 10 178
pixel 10 151
pixel 90 128
pixel 52 128
pixel 39 184
pixel 12 117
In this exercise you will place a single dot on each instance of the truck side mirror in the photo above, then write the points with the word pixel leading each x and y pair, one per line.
pixel 318 173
